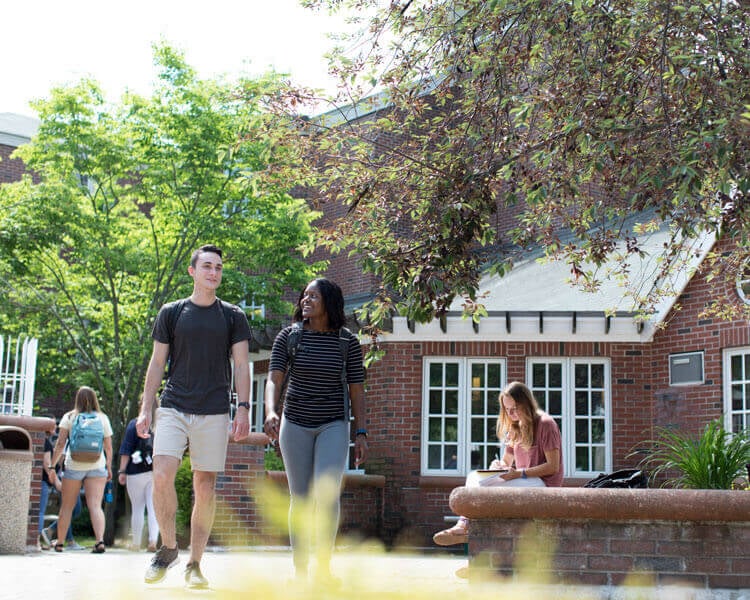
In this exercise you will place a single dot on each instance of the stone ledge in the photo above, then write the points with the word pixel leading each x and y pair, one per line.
pixel 606 504
pixel 361 480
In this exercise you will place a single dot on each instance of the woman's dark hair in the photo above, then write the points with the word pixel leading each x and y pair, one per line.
pixel 333 300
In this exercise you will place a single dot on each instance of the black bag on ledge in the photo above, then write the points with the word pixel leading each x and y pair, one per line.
pixel 626 478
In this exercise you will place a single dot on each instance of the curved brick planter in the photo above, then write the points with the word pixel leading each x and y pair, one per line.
pixel 604 536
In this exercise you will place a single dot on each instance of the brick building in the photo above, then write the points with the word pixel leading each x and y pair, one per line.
pixel 608 377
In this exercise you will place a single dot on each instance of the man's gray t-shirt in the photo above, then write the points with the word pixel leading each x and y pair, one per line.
pixel 199 381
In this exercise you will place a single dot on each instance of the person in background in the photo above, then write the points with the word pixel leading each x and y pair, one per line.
pixel 532 456
pixel 194 410
pixel 52 484
pixel 314 429
pixel 92 475
pixel 136 474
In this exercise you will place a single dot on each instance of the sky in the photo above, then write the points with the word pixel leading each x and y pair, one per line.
pixel 45 43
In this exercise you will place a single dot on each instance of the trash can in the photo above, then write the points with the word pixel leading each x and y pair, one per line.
pixel 16 459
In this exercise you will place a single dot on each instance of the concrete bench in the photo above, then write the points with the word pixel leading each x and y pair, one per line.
pixel 607 536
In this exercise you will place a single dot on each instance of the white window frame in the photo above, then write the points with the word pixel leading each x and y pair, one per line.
pixel 673 358
pixel 567 419
pixel 464 416
pixel 729 412
pixel 257 401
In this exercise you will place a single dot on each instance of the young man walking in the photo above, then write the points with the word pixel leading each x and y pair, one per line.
pixel 197 335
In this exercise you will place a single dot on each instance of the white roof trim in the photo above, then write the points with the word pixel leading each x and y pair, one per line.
pixel 523 328
pixel 577 317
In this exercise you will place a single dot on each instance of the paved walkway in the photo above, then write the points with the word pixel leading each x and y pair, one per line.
pixel 266 574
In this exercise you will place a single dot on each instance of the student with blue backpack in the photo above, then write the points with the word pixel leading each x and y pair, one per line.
pixel 86 439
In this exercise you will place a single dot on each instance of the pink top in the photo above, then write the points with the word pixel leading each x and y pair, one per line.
pixel 546 437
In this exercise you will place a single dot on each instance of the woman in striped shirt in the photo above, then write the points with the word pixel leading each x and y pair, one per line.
pixel 313 431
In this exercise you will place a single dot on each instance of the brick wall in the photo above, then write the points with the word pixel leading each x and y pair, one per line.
pixel 609 536
pixel 11 169
pixel 702 554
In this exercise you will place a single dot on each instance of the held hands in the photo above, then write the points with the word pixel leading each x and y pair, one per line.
pixel 271 426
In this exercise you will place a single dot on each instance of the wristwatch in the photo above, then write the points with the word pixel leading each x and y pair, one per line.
pixel 243 405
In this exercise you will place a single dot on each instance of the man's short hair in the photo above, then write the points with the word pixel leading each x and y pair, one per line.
pixel 201 250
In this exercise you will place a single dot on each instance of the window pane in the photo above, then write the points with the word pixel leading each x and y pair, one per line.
pixel 736 368
pixel 538 375
pixel 582 458
pixel 597 431
pixel 450 454
pixel 582 431
pixel 491 435
pixel 436 375
pixel 451 430
pixel 597 376
pixel 451 374
pixel 451 402
pixel 554 402
pixel 433 457
pixel 477 459
pixel 494 376
pixel 555 375
pixel 737 398
pixel 582 403
pixel 436 402
pixel 477 375
pixel 597 403
pixel 581 376
pixel 477 402
pixel 477 430
pixel 436 430
pixel 599 459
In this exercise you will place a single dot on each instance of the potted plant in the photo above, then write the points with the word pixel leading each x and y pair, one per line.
pixel 713 461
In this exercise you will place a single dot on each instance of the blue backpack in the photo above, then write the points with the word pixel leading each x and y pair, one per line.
pixel 86 437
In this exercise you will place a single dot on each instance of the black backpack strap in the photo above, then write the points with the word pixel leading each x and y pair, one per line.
pixel 344 335
pixel 292 346
pixel 174 314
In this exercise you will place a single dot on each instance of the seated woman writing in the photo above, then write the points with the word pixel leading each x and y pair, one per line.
pixel 532 457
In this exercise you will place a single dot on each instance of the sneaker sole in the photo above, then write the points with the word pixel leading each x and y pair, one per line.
pixel 196 586
pixel 164 573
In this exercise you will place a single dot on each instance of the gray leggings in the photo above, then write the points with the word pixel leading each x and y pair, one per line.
pixel 314 456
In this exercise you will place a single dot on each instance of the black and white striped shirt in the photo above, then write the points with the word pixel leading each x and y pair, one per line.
pixel 315 395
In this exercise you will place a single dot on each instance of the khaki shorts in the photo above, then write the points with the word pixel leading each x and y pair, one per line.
pixel 205 436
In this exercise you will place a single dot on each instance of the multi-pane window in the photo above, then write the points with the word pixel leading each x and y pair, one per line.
pixel 737 389
pixel 460 409
pixel 576 393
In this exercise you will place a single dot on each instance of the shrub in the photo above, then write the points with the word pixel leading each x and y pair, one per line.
pixel 184 487
pixel 713 461
pixel 272 461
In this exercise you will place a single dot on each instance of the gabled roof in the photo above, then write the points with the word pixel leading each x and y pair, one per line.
pixel 537 301
pixel 16 130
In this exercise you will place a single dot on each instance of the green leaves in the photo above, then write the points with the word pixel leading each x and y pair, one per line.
pixel 510 122
pixel 712 461
pixel 121 195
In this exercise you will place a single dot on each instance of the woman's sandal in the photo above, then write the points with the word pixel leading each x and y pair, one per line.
pixel 58 547
pixel 98 548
